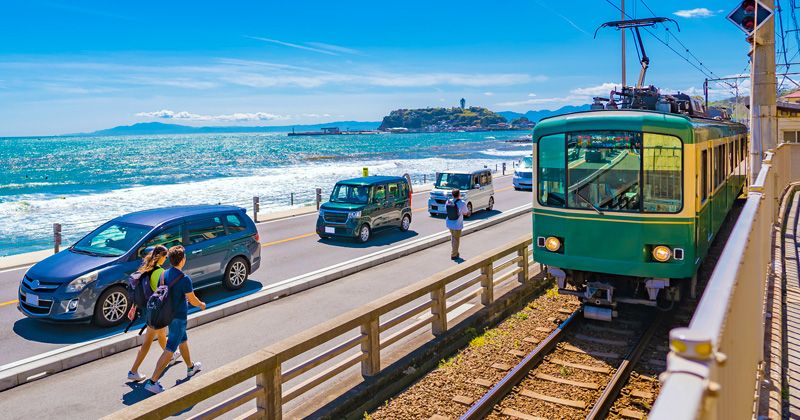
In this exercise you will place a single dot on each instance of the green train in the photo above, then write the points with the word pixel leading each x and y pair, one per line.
pixel 627 201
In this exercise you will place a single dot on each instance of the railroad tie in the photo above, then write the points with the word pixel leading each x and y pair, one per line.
pixel 593 353
pixel 438 417
pixel 631 414
pixel 463 400
pixel 517 353
pixel 580 405
pixel 544 330
pixel 599 340
pixel 642 394
pixel 502 367
pixel 600 328
pixel 565 311
pixel 483 382
pixel 530 340
pixel 556 379
pixel 510 412
pixel 552 319
pixel 581 366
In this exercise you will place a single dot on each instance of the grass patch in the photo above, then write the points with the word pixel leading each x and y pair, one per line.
pixel 453 361
pixel 520 316
pixel 565 371
pixel 552 293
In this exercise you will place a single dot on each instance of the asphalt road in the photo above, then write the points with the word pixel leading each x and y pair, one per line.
pixel 290 248
pixel 100 387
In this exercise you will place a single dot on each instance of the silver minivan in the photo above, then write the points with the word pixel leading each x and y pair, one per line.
pixel 476 190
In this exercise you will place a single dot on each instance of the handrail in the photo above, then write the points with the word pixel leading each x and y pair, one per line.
pixel 712 367
pixel 266 365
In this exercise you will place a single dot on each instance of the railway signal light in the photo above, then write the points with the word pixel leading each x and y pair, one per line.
pixel 750 15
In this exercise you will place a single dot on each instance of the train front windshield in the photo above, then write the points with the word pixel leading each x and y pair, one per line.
pixel 611 171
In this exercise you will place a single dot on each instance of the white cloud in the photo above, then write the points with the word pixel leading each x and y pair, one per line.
pixel 488 93
pixel 291 45
pixel 531 95
pixel 700 12
pixel 602 89
pixel 383 79
pixel 188 116
pixel 333 48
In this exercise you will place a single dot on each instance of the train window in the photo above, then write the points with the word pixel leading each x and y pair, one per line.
pixel 730 158
pixel 551 174
pixel 719 166
pixel 603 170
pixel 662 189
pixel 703 176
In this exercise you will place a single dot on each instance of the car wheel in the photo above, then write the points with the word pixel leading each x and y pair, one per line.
pixel 405 223
pixel 491 204
pixel 432 214
pixel 363 234
pixel 517 189
pixel 236 273
pixel 323 236
pixel 112 307
pixel 469 210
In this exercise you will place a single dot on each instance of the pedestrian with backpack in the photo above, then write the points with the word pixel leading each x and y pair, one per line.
pixel 144 282
pixel 168 306
pixel 456 210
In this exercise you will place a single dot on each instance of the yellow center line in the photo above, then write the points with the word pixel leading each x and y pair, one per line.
pixel 10 302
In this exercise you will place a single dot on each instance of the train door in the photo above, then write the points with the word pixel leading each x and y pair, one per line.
pixel 704 211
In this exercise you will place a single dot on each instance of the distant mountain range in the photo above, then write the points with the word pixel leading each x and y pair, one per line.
pixel 535 116
pixel 149 128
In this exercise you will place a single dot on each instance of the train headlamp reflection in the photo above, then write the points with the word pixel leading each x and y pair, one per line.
pixel 552 244
pixel 662 253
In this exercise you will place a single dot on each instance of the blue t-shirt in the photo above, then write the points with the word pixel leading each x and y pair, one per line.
pixel 178 291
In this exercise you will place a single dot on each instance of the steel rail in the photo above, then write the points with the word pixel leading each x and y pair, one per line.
pixel 485 404
pixel 620 378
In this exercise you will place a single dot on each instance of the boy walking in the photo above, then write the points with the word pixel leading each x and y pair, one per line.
pixel 456 210
pixel 179 293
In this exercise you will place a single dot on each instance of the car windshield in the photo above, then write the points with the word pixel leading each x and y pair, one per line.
pixel 352 194
pixel 527 163
pixel 111 240
pixel 448 181
pixel 611 170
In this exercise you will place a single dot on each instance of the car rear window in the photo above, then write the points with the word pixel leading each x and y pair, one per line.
pixel 235 223
pixel 205 229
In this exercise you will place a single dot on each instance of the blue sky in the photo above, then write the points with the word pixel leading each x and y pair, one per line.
pixel 75 66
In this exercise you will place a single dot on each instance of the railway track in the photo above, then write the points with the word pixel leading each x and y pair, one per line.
pixel 577 371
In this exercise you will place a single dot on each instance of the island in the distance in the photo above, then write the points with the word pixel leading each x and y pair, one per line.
pixel 429 120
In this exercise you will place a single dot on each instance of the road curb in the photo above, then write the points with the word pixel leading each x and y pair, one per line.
pixel 40 366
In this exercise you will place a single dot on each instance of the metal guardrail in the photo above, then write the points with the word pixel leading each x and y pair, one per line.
pixel 713 365
pixel 380 326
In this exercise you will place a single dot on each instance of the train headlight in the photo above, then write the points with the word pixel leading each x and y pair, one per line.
pixel 662 253
pixel 552 244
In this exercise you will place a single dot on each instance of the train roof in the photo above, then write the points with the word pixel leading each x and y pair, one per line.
pixel 691 130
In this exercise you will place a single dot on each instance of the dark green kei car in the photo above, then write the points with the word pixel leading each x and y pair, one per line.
pixel 360 206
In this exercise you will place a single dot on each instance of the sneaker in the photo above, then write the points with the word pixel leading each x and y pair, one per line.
pixel 194 369
pixel 176 357
pixel 138 377
pixel 153 387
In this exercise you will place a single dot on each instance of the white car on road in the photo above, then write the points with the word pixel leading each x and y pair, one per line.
pixel 523 175
pixel 476 190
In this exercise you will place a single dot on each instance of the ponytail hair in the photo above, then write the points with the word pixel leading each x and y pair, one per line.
pixel 150 260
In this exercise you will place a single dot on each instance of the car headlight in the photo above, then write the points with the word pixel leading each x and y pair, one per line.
pixel 552 244
pixel 80 283
pixel 662 253
pixel 354 214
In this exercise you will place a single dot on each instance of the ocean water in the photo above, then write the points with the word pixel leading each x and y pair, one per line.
pixel 81 182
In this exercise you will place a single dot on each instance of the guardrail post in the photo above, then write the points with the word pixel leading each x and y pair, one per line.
pixel 371 347
pixel 424 178
pixel 439 311
pixel 255 209
pixel 291 199
pixel 487 284
pixel 268 401
pixel 504 168
pixel 56 237
pixel 318 197
pixel 522 276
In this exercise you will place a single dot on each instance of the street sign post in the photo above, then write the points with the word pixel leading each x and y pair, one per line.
pixel 750 15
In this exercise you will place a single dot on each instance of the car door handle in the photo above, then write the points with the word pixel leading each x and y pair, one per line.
pixel 197 251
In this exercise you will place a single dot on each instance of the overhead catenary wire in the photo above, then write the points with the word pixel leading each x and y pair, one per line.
pixel 708 74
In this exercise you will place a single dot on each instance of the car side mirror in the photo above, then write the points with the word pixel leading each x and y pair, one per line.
pixel 477 186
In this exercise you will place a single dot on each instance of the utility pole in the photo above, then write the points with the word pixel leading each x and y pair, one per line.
pixel 623 44
pixel 763 121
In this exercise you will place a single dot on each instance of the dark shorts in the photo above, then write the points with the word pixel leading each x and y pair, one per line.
pixel 176 334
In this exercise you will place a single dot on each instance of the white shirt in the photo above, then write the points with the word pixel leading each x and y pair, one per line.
pixel 457 224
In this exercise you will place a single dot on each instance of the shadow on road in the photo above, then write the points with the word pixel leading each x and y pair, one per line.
pixel 381 237
pixel 72 333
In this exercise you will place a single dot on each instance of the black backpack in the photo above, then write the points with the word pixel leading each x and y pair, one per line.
pixel 452 209
pixel 159 306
